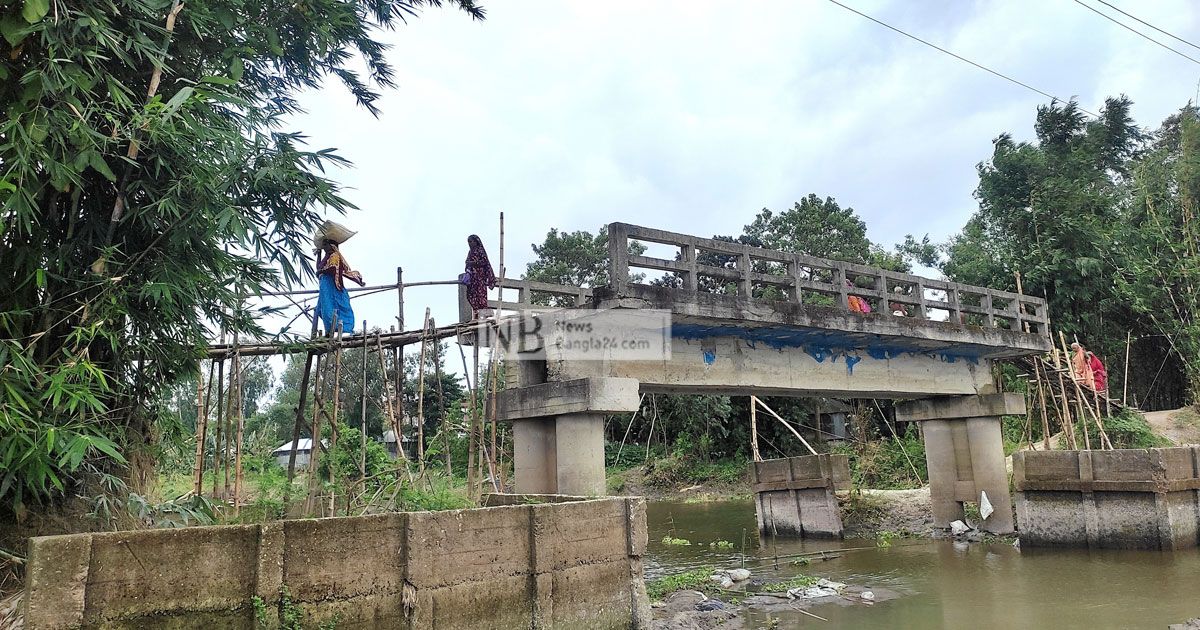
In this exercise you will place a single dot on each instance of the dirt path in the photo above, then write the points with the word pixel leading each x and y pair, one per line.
pixel 1181 426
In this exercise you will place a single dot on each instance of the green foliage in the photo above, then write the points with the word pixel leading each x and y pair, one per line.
pixel 676 542
pixel 885 463
pixel 796 581
pixel 1098 217
pixel 345 459
pixel 721 544
pixel 291 616
pixel 130 225
pixel 1127 429
pixel 677 470
pixel 697 579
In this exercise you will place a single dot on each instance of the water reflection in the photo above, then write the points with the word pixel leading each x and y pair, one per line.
pixel 945 585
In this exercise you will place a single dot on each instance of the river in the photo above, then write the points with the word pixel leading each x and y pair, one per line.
pixel 942 584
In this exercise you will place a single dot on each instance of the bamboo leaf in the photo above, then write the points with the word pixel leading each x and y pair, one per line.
pixel 35 10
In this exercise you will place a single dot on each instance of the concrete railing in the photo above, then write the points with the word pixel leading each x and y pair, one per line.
pixel 755 270
pixel 526 565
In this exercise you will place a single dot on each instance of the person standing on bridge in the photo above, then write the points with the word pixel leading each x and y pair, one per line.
pixel 478 276
pixel 333 301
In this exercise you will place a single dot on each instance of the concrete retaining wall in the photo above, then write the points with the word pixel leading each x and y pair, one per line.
pixel 795 496
pixel 576 563
pixel 1125 499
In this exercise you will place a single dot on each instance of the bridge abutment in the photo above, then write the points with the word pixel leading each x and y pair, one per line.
pixel 964 452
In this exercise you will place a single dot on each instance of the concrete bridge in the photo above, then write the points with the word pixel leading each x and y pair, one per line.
pixel 747 320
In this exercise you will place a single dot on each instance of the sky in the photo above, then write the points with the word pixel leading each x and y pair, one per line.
pixel 693 116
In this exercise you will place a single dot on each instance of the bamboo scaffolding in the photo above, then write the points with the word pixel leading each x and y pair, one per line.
pixel 391 414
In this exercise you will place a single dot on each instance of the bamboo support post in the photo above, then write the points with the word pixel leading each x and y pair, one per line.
pixel 309 359
pixel 421 396
pixel 1042 405
pixel 1125 379
pixel 495 351
pixel 443 421
pixel 754 431
pixel 201 433
pixel 217 436
pixel 475 439
pixel 337 407
pixel 467 376
pixel 390 410
pixel 241 431
pixel 362 422
pixel 756 399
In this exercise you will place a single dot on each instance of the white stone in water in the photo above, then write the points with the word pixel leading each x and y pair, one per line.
pixel 958 528
pixel 868 596
pixel 738 575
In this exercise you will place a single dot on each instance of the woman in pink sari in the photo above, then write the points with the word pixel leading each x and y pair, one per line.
pixel 1081 368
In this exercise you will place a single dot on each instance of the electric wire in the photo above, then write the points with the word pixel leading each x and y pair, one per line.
pixel 960 57
pixel 1132 30
pixel 1130 15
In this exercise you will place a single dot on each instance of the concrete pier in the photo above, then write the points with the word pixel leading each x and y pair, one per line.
pixel 1123 499
pixel 964 452
pixel 795 496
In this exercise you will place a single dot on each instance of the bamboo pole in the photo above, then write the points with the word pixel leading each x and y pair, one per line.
pixel 220 431
pixel 495 347
pixel 476 437
pixel 421 398
pixel 390 410
pixel 630 426
pixel 469 419
pixel 443 421
pixel 337 407
pixel 201 433
pixel 226 459
pixel 754 431
pixel 241 431
pixel 1042 404
pixel 304 378
pixel 362 422
pixel 1125 379
pixel 768 409
pixel 653 419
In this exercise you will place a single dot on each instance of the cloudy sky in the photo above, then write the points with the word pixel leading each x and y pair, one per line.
pixel 691 116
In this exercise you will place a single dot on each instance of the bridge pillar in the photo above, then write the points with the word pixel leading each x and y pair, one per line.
pixel 964 452
pixel 558 432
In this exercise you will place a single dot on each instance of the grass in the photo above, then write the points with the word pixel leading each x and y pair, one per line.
pixel 698 579
pixel 676 542
pixel 798 581
pixel 1126 429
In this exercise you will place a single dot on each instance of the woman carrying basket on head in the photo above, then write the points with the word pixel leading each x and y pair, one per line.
pixel 333 301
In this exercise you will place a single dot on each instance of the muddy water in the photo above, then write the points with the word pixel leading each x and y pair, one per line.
pixel 943 584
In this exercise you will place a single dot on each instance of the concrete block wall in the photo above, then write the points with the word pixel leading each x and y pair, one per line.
pixel 795 496
pixel 530 564
pixel 1124 499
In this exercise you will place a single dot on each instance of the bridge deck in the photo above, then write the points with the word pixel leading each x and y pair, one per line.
pixel 717 288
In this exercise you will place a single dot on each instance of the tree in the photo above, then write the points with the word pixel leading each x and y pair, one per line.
pixel 146 182
pixel 1158 270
